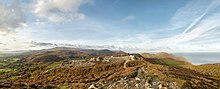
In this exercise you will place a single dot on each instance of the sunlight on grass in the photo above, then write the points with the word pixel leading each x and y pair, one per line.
pixel 55 64
pixel 4 70
pixel 63 87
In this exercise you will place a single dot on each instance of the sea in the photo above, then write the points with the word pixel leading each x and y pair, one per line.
pixel 198 58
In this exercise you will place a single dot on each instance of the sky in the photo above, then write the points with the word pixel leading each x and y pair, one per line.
pixel 128 25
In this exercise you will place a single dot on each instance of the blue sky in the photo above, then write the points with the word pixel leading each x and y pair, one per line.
pixel 129 25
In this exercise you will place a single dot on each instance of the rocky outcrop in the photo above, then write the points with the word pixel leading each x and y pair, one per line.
pixel 142 81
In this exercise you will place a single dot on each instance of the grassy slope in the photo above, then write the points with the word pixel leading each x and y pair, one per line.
pixel 8 60
pixel 188 75
pixel 165 59
pixel 54 74
pixel 72 76
pixel 209 69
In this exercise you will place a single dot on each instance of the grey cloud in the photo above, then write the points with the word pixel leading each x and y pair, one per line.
pixel 11 17
pixel 36 44
pixel 2 44
pixel 111 47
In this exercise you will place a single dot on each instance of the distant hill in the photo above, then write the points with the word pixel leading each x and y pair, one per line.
pixel 89 51
pixel 65 53
pixel 165 59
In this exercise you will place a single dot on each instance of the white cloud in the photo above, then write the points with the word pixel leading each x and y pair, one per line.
pixel 199 23
pixel 189 13
pixel 198 18
pixel 13 43
pixel 202 25
pixel 128 18
pixel 59 10
pixel 11 18
pixel 213 5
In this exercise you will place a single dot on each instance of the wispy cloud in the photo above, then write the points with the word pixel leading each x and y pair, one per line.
pixel 210 7
pixel 201 24
pixel 190 12
pixel 128 18
pixel 197 23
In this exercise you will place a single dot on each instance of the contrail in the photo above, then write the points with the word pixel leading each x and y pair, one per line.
pixel 195 22
pixel 212 6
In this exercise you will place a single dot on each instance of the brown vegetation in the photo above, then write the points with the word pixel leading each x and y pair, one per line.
pixel 111 71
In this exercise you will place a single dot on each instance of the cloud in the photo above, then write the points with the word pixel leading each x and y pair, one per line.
pixel 9 43
pixel 202 25
pixel 213 5
pixel 35 44
pixel 2 44
pixel 59 10
pixel 128 18
pixel 197 19
pixel 193 27
pixel 189 13
pixel 11 18
pixel 75 44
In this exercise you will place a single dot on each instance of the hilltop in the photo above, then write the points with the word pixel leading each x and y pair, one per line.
pixel 165 59
pixel 105 69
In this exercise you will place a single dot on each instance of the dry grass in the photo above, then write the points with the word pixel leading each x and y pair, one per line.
pixel 58 74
